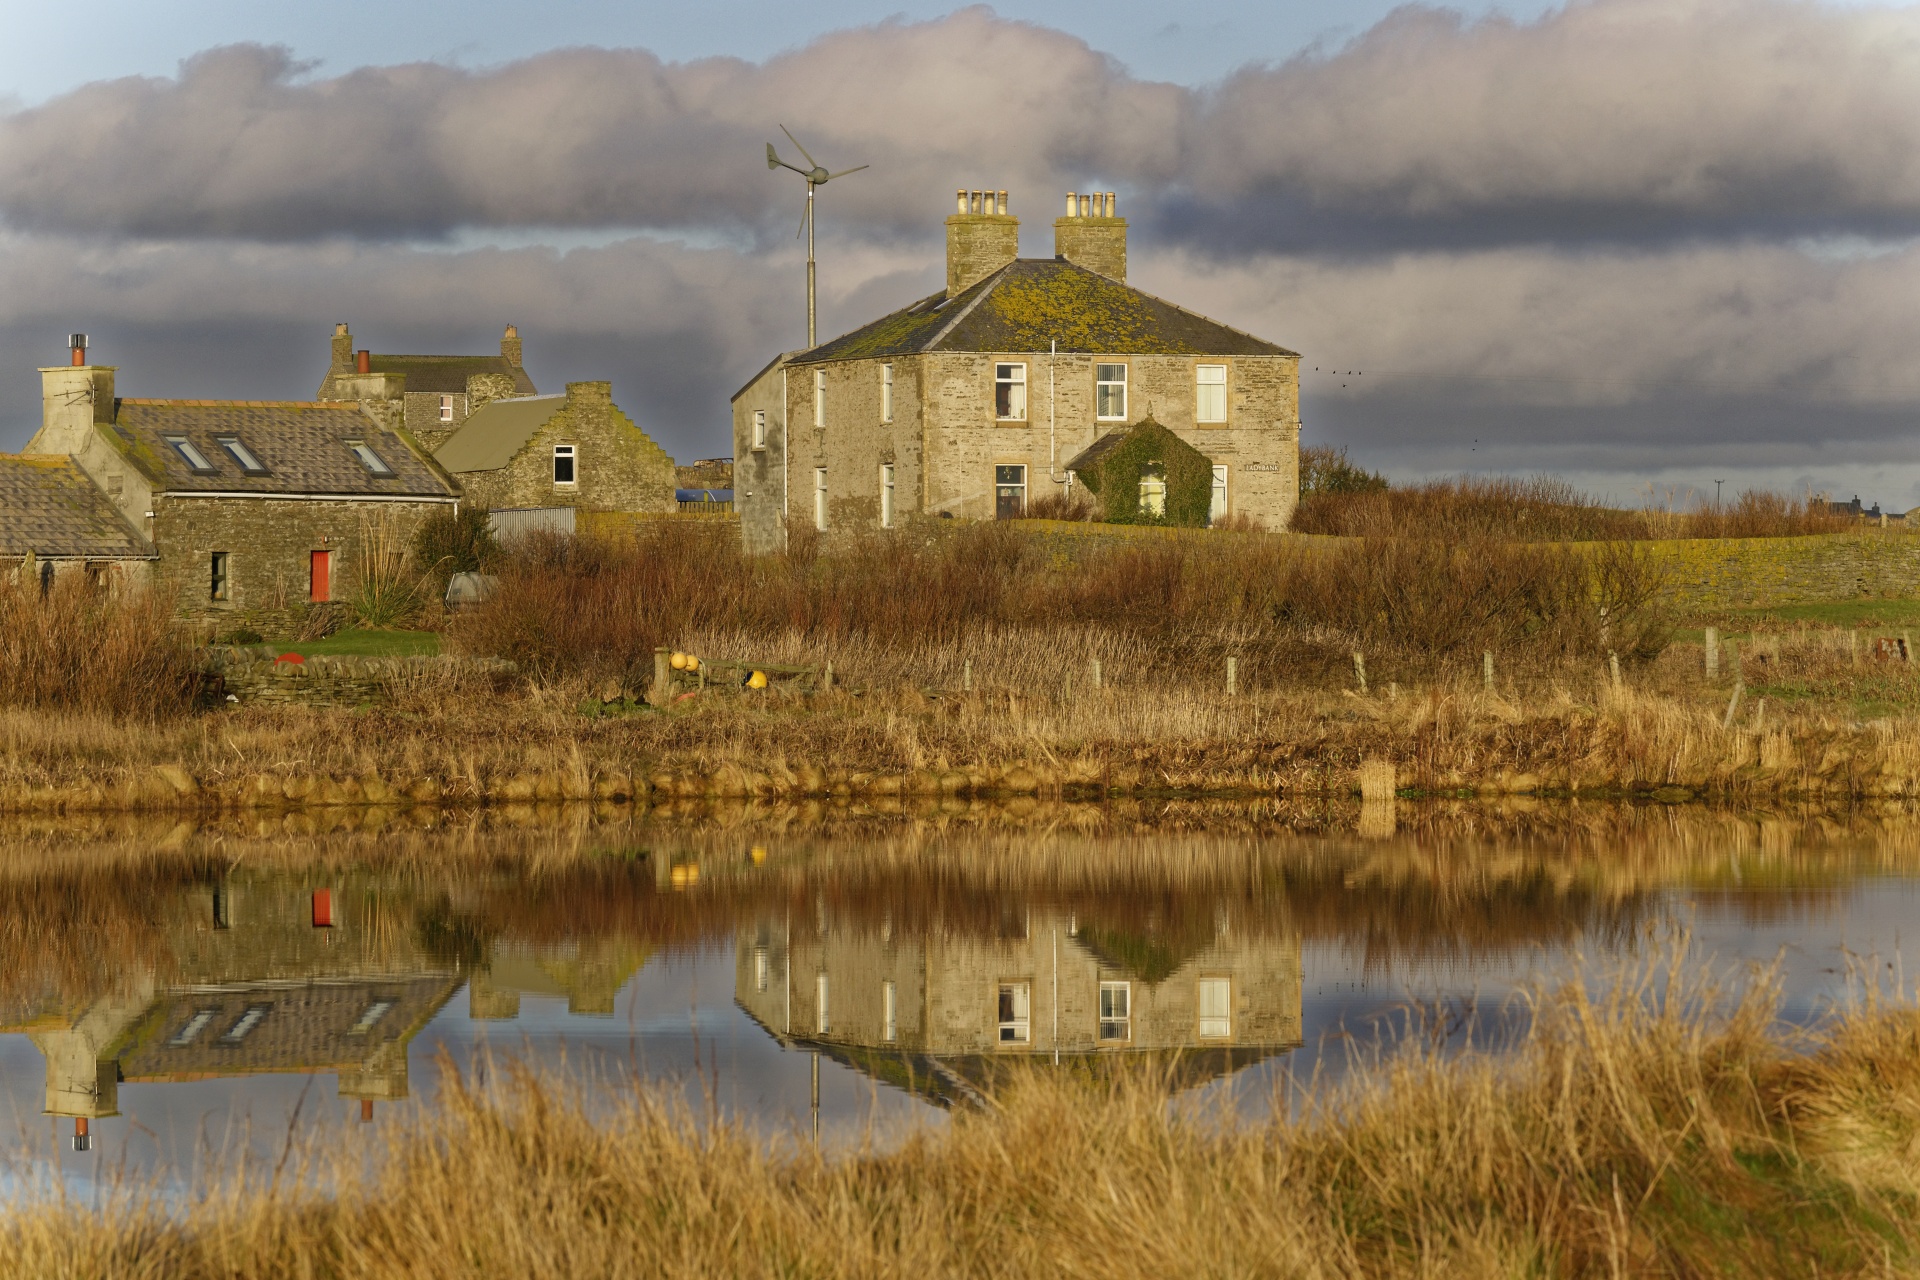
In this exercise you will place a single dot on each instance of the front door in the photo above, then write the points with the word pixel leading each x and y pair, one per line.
pixel 320 577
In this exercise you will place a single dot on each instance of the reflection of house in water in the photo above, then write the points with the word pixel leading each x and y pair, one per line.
pixel 942 1006
pixel 587 973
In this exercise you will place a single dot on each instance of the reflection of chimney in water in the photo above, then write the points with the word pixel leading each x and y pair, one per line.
pixel 82 1140
pixel 366 1111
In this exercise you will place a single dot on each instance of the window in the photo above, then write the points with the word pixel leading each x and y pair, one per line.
pixel 1016 1013
pixel 1153 489
pixel 248 1021
pixel 1110 391
pixel 446 408
pixel 320 576
pixel 886 393
pixel 1010 392
pixel 1217 509
pixel 242 455
pixel 886 495
pixel 759 428
pixel 762 970
pixel 195 1025
pixel 820 498
pixel 820 1004
pixel 563 472
pixel 1215 999
pixel 222 586
pixel 372 461
pixel 889 1027
pixel 1210 393
pixel 1116 1010
pixel 1009 493
pixel 375 1011
pixel 819 397
pixel 190 454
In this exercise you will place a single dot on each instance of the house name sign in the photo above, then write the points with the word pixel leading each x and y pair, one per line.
pixel 1261 466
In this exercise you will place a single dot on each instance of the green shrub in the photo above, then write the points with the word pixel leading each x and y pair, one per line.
pixel 450 542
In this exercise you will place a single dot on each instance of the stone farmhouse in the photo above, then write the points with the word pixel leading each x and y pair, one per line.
pixel 431 396
pixel 970 402
pixel 575 450
pixel 249 512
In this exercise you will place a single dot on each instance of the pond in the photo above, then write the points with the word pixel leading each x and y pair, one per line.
pixel 175 995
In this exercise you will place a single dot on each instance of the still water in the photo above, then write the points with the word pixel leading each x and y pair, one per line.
pixel 173 996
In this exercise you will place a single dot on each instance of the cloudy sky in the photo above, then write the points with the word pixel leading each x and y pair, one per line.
pixel 1633 242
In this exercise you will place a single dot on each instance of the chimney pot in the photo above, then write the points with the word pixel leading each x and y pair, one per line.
pixel 77 343
pixel 363 361
pixel 340 330
pixel 1073 204
pixel 1003 204
pixel 1113 206
pixel 959 202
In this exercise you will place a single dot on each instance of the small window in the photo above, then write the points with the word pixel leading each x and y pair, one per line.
pixel 372 461
pixel 819 397
pixel 244 1027
pixel 195 1025
pixel 1215 999
pixel 1009 493
pixel 820 1021
pixel 190 454
pixel 886 393
pixel 1210 393
pixel 889 1026
pixel 563 470
pixel 446 408
pixel 886 495
pixel 221 584
pixel 1116 1010
pixel 1010 392
pixel 759 428
pixel 239 452
pixel 1016 1013
pixel 374 1012
pixel 1110 391
pixel 820 498
pixel 762 969
pixel 1153 490
pixel 1217 509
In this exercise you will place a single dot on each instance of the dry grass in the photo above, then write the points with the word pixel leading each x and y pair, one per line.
pixel 81 647
pixel 1656 1130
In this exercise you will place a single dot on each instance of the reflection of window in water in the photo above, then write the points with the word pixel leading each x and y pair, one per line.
pixel 1216 1008
pixel 195 1025
pixel 1116 1006
pixel 762 971
pixel 820 1004
pixel 889 1029
pixel 1016 1013
pixel 375 1011
pixel 248 1021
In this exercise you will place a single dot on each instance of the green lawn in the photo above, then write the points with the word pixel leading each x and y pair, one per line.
pixel 1887 616
pixel 367 644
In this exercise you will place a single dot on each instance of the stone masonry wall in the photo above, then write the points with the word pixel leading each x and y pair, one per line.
pixel 268 544
pixel 760 474
pixel 617 465
pixel 856 443
pixel 1731 573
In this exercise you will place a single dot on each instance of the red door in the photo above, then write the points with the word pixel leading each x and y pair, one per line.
pixel 320 579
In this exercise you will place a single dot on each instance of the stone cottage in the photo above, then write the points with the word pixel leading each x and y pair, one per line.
pixel 55 520
pixel 573 450
pixel 968 403
pixel 256 510
pixel 431 396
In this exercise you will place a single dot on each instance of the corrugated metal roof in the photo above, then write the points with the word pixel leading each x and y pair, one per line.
pixel 496 431
pixel 302 446
pixel 49 507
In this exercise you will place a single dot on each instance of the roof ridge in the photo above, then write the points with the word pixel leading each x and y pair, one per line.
pixel 342 405
pixel 967 310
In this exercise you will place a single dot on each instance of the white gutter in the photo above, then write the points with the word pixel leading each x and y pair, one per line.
pixel 305 497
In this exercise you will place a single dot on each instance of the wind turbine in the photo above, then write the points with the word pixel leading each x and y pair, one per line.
pixel 817 176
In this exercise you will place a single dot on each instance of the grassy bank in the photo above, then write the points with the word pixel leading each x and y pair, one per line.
pixel 1652 1131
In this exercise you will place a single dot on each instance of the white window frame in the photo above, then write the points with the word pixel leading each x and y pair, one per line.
pixel 1206 388
pixel 1013 1013
pixel 886 393
pixel 572 454
pixel 1021 485
pixel 1213 1025
pixel 1102 399
pixel 759 428
pixel 1217 503
pixel 1115 1016
pixel 821 1022
pixel 1153 485
pixel 446 408
pixel 889 1012
pixel 886 495
pixel 820 499
pixel 819 397
pixel 1013 376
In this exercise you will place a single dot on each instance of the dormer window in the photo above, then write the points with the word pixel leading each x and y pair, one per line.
pixel 238 451
pixel 373 462
pixel 190 454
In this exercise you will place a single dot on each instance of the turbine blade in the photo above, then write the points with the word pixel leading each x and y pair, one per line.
pixel 796 142
pixel 773 161
pixel 843 173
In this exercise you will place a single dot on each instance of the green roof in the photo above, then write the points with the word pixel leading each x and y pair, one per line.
pixel 496 431
pixel 1034 303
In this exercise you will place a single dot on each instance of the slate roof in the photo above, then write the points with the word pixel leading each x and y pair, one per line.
pixel 496 431
pixel 50 507
pixel 1032 302
pixel 450 373
pixel 301 443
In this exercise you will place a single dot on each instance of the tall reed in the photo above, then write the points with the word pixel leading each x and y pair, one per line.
pixel 78 645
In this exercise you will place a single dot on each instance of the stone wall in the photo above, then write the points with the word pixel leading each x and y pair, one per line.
pixel 618 467
pixel 259 673
pixel 1730 573
pixel 760 475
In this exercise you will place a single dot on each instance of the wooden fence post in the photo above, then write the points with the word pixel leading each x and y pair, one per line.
pixel 662 686
pixel 826 677
pixel 966 675
pixel 1233 676
pixel 1360 669
pixel 1713 653
pixel 1486 669
pixel 1094 670
pixel 1613 665
pixel 1906 647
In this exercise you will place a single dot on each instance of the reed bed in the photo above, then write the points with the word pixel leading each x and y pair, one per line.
pixel 1663 1127
pixel 74 645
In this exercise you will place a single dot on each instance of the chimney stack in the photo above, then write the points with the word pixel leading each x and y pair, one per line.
pixel 1093 234
pixel 981 238
pixel 74 398
pixel 510 345
pixel 342 348
pixel 363 361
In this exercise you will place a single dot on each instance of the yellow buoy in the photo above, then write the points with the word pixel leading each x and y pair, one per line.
pixel 678 661
pixel 758 680
pixel 758 854
pixel 693 663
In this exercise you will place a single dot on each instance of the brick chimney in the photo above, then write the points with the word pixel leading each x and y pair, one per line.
pixel 1093 234
pixel 510 345
pixel 342 350
pixel 981 238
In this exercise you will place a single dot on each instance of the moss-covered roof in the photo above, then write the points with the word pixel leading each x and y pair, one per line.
pixel 444 374
pixel 1033 302
pixel 49 507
